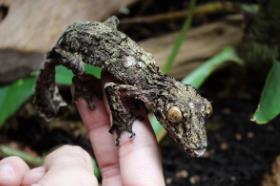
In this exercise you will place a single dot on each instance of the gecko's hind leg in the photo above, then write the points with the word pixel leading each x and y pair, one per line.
pixel 47 97
pixel 85 87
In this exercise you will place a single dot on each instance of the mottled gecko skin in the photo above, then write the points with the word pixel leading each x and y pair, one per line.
pixel 179 108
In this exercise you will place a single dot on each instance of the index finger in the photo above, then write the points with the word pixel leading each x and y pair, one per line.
pixel 136 162
pixel 98 124
pixel 140 160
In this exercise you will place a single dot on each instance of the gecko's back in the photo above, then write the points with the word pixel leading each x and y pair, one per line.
pixel 102 45
pixel 88 40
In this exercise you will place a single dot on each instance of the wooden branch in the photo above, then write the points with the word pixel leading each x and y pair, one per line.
pixel 204 9
pixel 29 28
pixel 201 43
pixel 35 25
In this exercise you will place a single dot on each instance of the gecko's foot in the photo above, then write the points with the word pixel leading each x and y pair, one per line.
pixel 118 134
pixel 117 141
pixel 119 127
pixel 131 135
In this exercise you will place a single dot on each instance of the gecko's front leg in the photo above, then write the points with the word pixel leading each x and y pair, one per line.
pixel 122 117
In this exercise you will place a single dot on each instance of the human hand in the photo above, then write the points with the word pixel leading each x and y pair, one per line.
pixel 66 166
pixel 134 162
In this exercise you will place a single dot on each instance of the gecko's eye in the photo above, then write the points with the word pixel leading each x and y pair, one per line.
pixel 174 114
pixel 208 109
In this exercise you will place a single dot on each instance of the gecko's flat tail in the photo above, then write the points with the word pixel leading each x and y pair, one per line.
pixel 47 107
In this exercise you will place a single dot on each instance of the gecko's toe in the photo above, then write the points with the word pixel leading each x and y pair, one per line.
pixel 112 129
pixel 117 141
pixel 131 135
pixel 91 104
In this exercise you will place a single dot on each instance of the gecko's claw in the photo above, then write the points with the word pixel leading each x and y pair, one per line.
pixel 112 129
pixel 117 141
pixel 131 135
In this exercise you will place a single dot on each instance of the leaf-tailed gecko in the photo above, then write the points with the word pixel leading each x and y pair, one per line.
pixel 178 107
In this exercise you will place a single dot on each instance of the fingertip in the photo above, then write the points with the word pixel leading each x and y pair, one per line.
pixel 131 155
pixel 144 137
pixel 68 165
pixel 12 170
pixel 8 174
pixel 69 156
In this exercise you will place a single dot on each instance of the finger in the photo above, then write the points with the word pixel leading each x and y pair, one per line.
pixel 68 165
pixel 140 161
pixel 33 176
pixel 98 123
pixel 12 170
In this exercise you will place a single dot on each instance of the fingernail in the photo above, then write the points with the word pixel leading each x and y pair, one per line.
pixel 6 171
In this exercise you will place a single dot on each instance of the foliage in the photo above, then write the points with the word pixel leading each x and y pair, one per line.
pixel 269 105
pixel 14 95
pixel 64 76
pixel 28 158
pixel 260 48
pixel 198 76
pixel 180 39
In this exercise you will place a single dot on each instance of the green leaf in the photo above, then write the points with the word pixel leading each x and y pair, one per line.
pixel 269 105
pixel 181 38
pixel 95 71
pixel 157 128
pixel 199 75
pixel 6 151
pixel 64 76
pixel 14 95
pixel 96 170
pixel 250 8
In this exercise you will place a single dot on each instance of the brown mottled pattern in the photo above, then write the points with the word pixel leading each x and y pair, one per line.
pixel 135 76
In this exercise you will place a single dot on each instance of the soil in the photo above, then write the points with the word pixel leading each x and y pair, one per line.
pixel 240 152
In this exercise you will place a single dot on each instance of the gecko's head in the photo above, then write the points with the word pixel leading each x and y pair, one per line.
pixel 183 113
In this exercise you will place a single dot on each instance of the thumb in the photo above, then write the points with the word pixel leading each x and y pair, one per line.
pixel 69 166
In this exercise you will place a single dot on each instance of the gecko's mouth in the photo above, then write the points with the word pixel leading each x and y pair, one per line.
pixel 199 152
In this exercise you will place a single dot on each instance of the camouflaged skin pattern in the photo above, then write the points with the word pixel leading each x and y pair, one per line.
pixel 179 108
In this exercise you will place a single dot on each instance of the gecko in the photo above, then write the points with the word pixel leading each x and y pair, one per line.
pixel 178 107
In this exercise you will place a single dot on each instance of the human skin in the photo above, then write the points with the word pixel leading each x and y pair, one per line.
pixel 132 163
